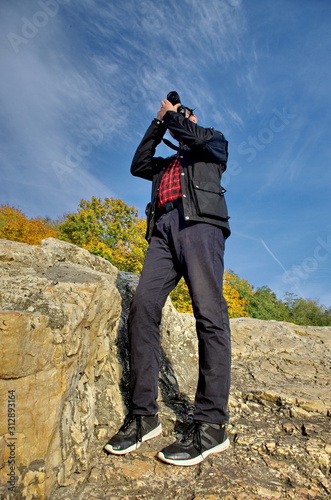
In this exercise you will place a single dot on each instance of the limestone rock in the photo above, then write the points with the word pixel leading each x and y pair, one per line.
pixel 58 326
pixel 64 389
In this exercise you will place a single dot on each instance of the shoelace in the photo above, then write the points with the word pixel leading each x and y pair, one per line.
pixel 193 434
pixel 129 419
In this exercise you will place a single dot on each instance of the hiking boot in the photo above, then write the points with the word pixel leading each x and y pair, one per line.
pixel 135 430
pixel 200 440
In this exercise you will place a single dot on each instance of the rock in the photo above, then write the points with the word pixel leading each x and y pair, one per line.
pixel 58 325
pixel 64 389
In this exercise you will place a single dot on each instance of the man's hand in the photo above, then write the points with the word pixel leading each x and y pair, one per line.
pixel 166 106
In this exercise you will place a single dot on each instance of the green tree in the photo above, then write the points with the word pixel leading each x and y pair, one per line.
pixel 263 304
pixel 110 229
pixel 307 311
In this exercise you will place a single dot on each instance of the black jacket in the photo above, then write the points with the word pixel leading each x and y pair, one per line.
pixel 203 157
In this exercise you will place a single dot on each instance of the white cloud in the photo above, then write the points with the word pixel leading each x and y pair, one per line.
pixel 79 88
pixel 58 87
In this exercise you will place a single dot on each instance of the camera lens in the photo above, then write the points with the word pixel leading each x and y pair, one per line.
pixel 173 97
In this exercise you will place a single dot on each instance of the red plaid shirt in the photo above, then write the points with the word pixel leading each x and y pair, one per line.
pixel 170 186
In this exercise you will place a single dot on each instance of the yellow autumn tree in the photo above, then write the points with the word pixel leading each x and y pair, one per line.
pixel 14 225
pixel 236 304
pixel 181 299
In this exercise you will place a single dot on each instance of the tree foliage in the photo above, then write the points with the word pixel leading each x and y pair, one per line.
pixel 237 293
pixel 262 303
pixel 307 311
pixel 110 229
pixel 236 304
pixel 181 299
pixel 14 225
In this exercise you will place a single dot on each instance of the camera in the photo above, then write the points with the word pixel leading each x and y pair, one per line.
pixel 174 98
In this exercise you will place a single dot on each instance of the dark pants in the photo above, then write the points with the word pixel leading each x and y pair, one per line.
pixel 196 252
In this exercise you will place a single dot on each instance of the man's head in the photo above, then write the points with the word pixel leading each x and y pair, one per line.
pixel 189 113
pixel 174 98
pixel 166 105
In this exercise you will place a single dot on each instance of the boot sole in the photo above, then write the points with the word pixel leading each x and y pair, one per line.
pixel 150 435
pixel 196 460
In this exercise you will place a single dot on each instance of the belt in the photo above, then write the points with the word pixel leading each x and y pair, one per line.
pixel 170 205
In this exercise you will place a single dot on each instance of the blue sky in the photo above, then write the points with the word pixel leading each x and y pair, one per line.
pixel 81 81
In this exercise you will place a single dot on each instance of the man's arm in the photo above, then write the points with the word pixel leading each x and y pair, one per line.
pixel 143 163
pixel 211 142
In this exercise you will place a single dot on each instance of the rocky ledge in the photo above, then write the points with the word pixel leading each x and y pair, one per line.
pixel 63 388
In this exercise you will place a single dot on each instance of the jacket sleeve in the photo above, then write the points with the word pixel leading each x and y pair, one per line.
pixel 143 163
pixel 207 140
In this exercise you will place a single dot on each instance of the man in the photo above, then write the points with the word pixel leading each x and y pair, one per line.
pixel 187 224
